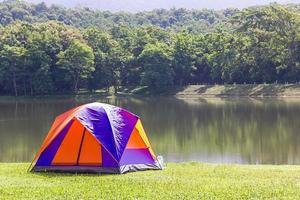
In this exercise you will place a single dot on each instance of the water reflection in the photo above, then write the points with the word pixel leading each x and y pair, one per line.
pixel 256 131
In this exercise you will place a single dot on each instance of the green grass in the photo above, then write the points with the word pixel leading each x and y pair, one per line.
pixel 177 181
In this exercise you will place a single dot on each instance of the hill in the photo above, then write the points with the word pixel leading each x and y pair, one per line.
pixel 46 50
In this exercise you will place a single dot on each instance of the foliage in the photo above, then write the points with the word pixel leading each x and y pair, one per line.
pixel 78 60
pixel 156 64
pixel 42 51
pixel 196 21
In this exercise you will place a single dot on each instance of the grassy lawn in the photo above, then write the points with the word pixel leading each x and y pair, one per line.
pixel 177 181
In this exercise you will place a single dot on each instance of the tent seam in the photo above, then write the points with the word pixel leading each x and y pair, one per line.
pixel 115 144
pixel 99 142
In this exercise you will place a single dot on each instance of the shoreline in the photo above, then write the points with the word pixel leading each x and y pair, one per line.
pixel 244 90
pixel 190 91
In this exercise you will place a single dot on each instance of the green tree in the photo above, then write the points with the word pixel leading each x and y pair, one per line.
pixel 156 63
pixel 77 60
pixel 110 60
pixel 273 31
pixel 12 58
pixel 183 58
pixel 39 62
pixel 13 48
pixel 101 43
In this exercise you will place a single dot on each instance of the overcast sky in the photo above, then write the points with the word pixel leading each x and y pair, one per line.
pixel 141 5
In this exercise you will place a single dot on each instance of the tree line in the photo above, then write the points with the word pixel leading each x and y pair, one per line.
pixel 196 21
pixel 254 45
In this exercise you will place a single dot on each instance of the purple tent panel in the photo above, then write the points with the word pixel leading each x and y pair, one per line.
pixel 136 156
pixel 96 121
pixel 122 123
pixel 108 160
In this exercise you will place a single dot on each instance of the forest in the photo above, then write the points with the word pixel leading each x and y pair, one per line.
pixel 50 50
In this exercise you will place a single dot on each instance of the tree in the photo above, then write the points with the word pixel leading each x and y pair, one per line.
pixel 201 73
pixel 110 60
pixel 39 62
pixel 156 63
pixel 121 55
pixel 101 44
pixel 183 58
pixel 12 57
pixel 54 38
pixel 39 55
pixel 78 60
pixel 13 44
pixel 273 31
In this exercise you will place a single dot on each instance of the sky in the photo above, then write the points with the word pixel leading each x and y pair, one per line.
pixel 142 5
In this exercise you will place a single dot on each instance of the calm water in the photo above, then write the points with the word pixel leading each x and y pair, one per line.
pixel 260 131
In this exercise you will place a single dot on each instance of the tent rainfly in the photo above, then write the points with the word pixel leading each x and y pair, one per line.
pixel 97 138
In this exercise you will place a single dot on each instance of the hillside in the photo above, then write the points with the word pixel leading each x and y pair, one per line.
pixel 55 50
pixel 174 19
pixel 145 5
pixel 196 21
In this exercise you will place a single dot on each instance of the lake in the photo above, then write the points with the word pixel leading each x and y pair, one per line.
pixel 214 130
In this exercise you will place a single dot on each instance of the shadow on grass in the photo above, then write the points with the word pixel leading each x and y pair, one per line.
pixel 68 174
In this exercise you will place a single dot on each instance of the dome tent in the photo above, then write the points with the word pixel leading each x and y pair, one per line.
pixel 96 137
